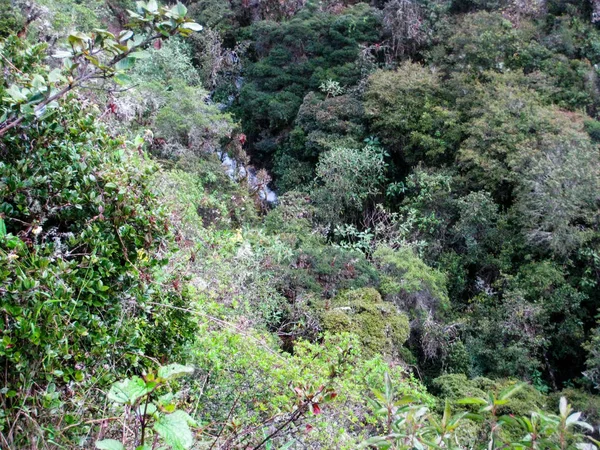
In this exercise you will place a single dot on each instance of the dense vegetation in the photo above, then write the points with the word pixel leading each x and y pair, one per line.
pixel 428 276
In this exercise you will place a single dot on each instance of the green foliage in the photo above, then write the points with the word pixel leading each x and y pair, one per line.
pixel 11 19
pixel 409 282
pixel 593 360
pixel 185 119
pixel 424 128
pixel 100 54
pixel 84 242
pixel 379 325
pixel 408 424
pixel 152 415
pixel 236 362
pixel 459 240
pixel 345 180
pixel 483 41
pixel 295 56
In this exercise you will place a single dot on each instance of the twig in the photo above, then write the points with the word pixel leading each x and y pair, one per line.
pixel 225 423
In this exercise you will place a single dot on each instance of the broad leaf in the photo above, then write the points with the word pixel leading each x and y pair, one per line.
pixel 129 390
pixel 192 26
pixel 179 11
pixel 109 444
pixel 175 430
pixel 125 64
pixel 174 371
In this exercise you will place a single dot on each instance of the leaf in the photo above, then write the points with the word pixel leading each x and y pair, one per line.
pixel 146 409
pixel 2 228
pixel 510 391
pixel 125 35
pixel 179 11
pixel 585 425
pixel 174 371
pixel 175 431
pixel 377 441
pixel 109 444
pixel 573 418
pixel 563 406
pixel 192 26
pixel 62 54
pixel 16 94
pixel 152 6
pixel 471 401
pixel 122 79
pixel 128 391
pixel 125 64
pixel 55 76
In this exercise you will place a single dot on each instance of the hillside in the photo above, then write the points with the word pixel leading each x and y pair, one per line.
pixel 300 224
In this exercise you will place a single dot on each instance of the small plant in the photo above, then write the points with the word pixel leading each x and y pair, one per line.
pixel 149 415
pixel 410 425
pixel 332 88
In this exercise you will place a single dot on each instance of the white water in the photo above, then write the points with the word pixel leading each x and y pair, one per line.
pixel 237 171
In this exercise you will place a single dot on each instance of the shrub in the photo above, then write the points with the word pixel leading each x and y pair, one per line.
pixel 381 328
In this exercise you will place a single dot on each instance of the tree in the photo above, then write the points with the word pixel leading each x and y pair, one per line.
pixel 345 179
pixel 407 110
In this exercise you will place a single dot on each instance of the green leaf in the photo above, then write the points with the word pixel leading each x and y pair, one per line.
pixel 129 390
pixel 147 409
pixel 179 10
pixel 122 79
pixel 125 35
pixel 152 6
pixel 125 64
pixel 174 371
pixel 109 444
pixel 175 430
pixel 510 391
pixel 192 26
pixel 55 76
pixel 2 228
pixel 471 401
pixel 16 94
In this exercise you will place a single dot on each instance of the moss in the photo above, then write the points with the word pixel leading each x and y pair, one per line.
pixel 407 275
pixel 379 325
pixel 455 386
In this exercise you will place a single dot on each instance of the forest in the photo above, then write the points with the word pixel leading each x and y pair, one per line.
pixel 300 224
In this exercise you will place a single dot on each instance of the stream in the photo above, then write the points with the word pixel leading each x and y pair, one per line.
pixel 238 171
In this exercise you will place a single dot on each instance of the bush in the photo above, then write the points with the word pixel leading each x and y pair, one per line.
pixel 381 328
pixel 11 19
